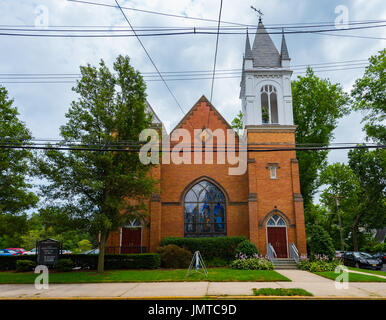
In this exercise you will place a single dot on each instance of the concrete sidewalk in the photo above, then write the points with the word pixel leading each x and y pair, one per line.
pixel 318 286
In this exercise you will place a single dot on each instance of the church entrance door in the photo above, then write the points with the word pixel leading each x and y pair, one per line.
pixel 277 237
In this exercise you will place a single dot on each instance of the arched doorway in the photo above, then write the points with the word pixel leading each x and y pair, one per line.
pixel 131 237
pixel 204 211
pixel 277 235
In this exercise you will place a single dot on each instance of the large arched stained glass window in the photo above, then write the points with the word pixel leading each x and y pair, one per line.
pixel 204 213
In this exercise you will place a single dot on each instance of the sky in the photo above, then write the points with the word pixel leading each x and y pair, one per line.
pixel 43 106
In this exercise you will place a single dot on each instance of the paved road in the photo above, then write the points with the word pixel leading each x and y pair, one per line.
pixel 317 285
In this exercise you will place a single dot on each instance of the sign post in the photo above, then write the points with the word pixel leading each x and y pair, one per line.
pixel 48 252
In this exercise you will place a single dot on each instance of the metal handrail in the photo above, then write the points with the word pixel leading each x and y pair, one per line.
pixel 294 253
pixel 271 253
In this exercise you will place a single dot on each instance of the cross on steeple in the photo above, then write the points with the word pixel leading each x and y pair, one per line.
pixel 258 11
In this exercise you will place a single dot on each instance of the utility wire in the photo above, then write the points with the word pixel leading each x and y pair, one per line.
pixel 215 55
pixel 151 60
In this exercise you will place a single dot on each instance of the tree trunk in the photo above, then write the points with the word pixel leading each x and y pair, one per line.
pixel 101 256
pixel 355 232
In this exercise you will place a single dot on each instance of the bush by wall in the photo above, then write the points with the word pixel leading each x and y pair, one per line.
pixel 320 242
pixel 64 265
pixel 173 256
pixel 246 248
pixel 318 264
pixel 90 261
pixel 210 248
pixel 252 264
pixel 25 265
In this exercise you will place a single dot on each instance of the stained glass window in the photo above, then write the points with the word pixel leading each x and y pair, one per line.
pixel 204 213
pixel 276 221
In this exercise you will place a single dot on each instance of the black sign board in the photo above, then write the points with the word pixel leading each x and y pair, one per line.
pixel 48 252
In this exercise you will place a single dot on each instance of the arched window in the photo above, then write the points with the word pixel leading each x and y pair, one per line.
pixel 269 112
pixel 276 221
pixel 204 213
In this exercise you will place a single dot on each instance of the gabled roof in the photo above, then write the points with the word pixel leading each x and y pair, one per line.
pixel 195 107
pixel 150 110
pixel 264 51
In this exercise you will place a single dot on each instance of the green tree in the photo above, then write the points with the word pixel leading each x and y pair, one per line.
pixel 95 185
pixel 319 242
pixel 317 105
pixel 341 195
pixel 370 170
pixel 237 122
pixel 369 94
pixel 15 194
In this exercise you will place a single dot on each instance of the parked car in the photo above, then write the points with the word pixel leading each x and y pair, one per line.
pixel 65 252
pixel 361 260
pixel 380 255
pixel 30 253
pixel 6 252
pixel 92 251
pixel 339 254
pixel 19 251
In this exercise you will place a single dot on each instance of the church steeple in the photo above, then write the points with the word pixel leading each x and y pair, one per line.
pixel 266 83
pixel 264 50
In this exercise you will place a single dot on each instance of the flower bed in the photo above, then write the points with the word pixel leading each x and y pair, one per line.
pixel 255 262
pixel 318 263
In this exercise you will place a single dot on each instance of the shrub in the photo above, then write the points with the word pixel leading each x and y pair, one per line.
pixel 173 256
pixel 25 265
pixel 320 242
pixel 90 261
pixel 216 247
pixel 64 265
pixel 318 264
pixel 246 248
pixel 254 263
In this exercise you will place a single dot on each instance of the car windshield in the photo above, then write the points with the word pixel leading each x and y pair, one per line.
pixel 362 255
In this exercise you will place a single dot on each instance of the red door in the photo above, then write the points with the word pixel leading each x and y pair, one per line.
pixel 277 237
pixel 131 240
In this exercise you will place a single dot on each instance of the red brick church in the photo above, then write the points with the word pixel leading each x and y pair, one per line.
pixel 203 200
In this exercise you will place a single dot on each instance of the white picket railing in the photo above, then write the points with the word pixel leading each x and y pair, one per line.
pixel 294 253
pixel 271 253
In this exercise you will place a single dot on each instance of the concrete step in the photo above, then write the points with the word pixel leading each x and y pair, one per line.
pixel 284 263
pixel 289 267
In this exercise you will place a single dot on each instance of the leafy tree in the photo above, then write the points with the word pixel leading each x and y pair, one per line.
pixel 370 170
pixel 237 122
pixel 341 195
pixel 369 93
pixel 94 185
pixel 15 196
pixel 319 242
pixel 318 105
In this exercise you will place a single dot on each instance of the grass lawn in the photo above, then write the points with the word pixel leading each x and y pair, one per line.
pixel 281 292
pixel 378 272
pixel 352 277
pixel 160 275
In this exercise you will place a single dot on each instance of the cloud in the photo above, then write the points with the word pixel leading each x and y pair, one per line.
pixel 43 106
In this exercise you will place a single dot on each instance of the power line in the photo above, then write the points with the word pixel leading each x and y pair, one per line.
pixel 148 55
pixel 66 148
pixel 193 31
pixel 235 70
pixel 215 54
